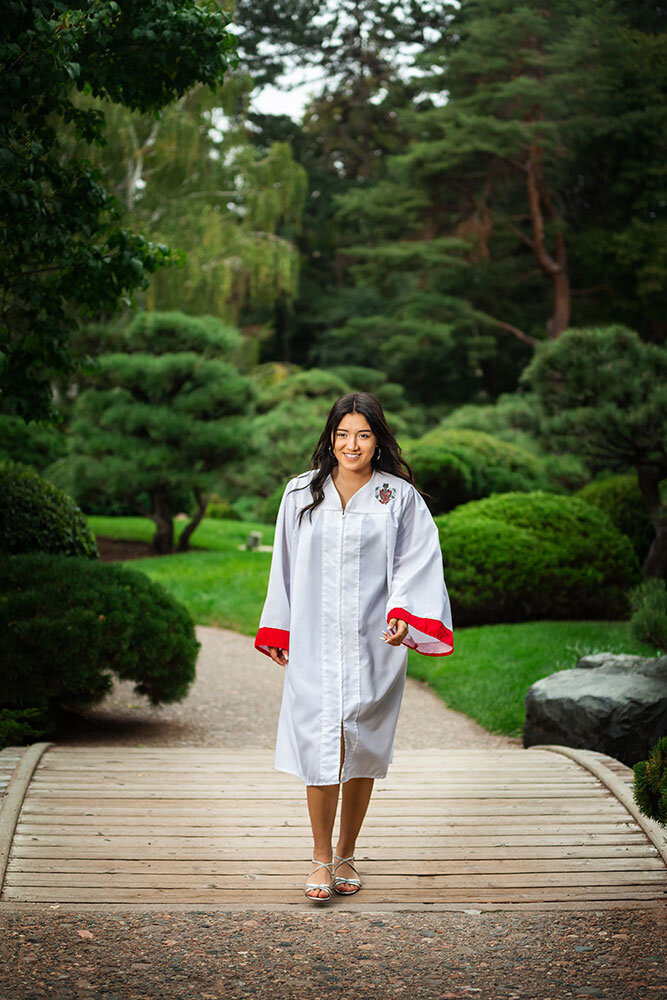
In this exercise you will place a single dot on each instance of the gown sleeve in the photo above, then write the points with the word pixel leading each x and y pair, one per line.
pixel 417 591
pixel 274 623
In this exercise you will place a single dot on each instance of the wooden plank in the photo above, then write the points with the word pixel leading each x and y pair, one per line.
pixel 275 867
pixel 264 850
pixel 125 896
pixel 563 811
pixel 426 883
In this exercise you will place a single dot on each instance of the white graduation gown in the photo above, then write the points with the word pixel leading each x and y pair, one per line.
pixel 333 586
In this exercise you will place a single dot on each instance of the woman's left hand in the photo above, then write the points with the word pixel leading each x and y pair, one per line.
pixel 401 630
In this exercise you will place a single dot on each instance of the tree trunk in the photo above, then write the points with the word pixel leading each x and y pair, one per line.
pixel 554 267
pixel 163 540
pixel 649 477
pixel 184 540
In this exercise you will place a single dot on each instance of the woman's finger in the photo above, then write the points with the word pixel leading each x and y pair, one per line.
pixel 396 632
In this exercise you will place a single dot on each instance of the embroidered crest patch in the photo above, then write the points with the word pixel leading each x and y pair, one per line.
pixel 384 493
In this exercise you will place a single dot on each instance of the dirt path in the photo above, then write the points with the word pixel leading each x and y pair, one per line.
pixel 235 702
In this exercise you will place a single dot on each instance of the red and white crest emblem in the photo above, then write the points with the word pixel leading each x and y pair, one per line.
pixel 384 493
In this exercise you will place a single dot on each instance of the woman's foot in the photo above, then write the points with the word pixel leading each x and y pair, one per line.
pixel 345 869
pixel 321 875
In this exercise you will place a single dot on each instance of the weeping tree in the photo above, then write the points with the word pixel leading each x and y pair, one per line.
pixel 603 393
pixel 163 413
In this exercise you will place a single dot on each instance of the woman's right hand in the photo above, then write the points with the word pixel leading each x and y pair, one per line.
pixel 279 655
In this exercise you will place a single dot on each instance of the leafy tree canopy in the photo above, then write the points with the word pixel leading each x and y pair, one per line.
pixel 63 253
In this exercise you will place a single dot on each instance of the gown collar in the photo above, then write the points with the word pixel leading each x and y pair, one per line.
pixel 332 500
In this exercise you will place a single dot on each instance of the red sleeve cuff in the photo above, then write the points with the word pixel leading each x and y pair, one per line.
pixel 266 637
pixel 432 627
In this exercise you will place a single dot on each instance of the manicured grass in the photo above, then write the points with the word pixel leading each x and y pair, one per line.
pixel 486 677
pixel 223 586
pixel 492 666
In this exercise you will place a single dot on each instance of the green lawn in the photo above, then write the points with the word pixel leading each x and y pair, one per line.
pixel 486 677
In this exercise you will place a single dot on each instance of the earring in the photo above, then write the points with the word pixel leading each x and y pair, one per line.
pixel 377 457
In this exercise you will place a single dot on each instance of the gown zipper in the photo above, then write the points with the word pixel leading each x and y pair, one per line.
pixel 340 618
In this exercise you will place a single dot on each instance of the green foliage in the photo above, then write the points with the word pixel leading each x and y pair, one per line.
pixel 220 509
pixel 604 395
pixel 455 466
pixel 650 783
pixel 158 333
pixel 521 556
pixel 619 497
pixel 35 516
pixel 63 252
pixel 18 726
pixel 69 625
pixel 649 619
pixel 514 417
pixel 33 444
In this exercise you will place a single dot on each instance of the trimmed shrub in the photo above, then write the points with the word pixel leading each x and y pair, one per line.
pixel 67 625
pixel 621 500
pixel 649 621
pixel 456 466
pixel 650 783
pixel 524 556
pixel 38 517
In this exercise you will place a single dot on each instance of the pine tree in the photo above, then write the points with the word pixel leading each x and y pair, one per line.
pixel 162 416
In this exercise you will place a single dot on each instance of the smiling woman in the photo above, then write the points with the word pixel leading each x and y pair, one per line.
pixel 362 555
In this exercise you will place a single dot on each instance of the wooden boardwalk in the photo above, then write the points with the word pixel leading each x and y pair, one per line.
pixel 189 828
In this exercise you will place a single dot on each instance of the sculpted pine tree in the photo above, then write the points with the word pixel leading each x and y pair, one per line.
pixel 163 414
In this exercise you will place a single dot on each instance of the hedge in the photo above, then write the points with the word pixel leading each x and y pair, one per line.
pixel 620 498
pixel 523 556
pixel 456 466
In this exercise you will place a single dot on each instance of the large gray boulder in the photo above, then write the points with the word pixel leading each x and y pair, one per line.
pixel 613 704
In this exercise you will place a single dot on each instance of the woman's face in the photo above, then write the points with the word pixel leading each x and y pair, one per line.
pixel 354 443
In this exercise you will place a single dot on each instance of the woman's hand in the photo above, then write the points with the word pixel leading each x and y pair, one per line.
pixel 279 655
pixel 401 630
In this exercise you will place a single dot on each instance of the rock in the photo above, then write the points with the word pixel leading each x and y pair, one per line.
pixel 612 704
pixel 623 660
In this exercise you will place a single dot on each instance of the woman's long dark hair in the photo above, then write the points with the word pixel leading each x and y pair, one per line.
pixel 323 460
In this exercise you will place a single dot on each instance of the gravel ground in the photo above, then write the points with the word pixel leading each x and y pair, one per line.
pixel 611 954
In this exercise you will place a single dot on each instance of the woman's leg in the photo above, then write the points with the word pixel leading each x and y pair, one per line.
pixel 356 796
pixel 322 804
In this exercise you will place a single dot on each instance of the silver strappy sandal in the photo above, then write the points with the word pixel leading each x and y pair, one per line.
pixel 316 885
pixel 340 880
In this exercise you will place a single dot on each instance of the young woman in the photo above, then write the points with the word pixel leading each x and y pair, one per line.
pixel 355 550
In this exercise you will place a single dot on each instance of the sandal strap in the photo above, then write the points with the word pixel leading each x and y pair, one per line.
pixel 343 861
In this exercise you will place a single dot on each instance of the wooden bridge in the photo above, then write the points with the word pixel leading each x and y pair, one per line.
pixel 546 828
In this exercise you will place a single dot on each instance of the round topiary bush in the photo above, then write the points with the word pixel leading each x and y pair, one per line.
pixel 620 498
pixel 38 517
pixel 67 625
pixel 523 556
pixel 455 466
